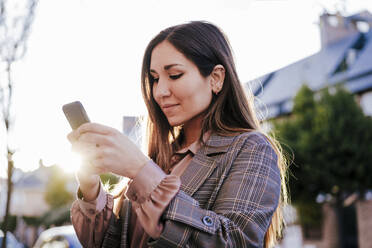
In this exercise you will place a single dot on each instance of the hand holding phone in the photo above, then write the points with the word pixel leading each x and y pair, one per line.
pixel 75 114
pixel 88 181
pixel 124 158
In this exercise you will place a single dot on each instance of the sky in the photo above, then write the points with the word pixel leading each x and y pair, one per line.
pixel 91 50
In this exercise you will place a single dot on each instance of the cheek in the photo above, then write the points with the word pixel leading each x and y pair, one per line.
pixel 198 99
pixel 204 100
pixel 154 95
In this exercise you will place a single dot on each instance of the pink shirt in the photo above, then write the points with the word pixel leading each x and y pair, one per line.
pixel 150 193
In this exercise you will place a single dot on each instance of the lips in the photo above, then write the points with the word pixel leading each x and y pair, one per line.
pixel 168 107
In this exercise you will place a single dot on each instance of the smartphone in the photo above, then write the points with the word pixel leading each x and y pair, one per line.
pixel 75 114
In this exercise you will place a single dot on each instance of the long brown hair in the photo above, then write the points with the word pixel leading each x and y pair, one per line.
pixel 229 113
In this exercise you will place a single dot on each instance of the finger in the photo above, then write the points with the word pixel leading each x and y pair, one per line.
pixel 96 139
pixel 87 173
pixel 95 166
pixel 95 128
pixel 82 146
pixel 90 166
pixel 86 150
pixel 73 136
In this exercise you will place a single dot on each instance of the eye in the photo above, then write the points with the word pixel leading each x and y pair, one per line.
pixel 177 76
pixel 153 79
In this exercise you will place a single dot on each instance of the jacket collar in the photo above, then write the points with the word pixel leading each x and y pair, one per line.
pixel 203 163
pixel 217 144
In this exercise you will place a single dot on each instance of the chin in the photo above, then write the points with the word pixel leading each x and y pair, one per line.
pixel 173 122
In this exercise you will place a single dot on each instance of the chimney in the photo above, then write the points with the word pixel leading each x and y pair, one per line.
pixel 335 27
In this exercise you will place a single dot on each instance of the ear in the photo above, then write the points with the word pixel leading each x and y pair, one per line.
pixel 217 78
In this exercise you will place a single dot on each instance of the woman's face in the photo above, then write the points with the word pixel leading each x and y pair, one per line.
pixel 179 89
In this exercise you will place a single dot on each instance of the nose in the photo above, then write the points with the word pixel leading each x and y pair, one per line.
pixel 161 89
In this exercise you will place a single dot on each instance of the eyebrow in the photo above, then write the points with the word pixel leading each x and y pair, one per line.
pixel 166 67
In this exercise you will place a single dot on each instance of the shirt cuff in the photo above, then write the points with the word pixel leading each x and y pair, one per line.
pixel 147 179
pixel 91 208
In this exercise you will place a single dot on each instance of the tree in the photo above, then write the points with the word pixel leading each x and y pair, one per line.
pixel 109 180
pixel 15 21
pixel 57 194
pixel 58 197
pixel 331 140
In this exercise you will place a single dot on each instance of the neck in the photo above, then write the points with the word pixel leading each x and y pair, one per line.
pixel 192 131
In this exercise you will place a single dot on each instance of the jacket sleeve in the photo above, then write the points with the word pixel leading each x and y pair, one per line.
pixel 150 193
pixel 243 208
pixel 92 218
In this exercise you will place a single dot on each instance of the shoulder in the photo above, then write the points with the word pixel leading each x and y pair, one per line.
pixel 257 144
pixel 218 144
pixel 253 138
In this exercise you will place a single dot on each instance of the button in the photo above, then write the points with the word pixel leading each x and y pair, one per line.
pixel 207 221
pixel 91 211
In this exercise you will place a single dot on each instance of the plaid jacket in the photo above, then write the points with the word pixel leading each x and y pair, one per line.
pixel 228 195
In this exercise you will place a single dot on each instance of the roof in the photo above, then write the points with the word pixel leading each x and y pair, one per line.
pixel 362 16
pixel 276 90
pixel 34 179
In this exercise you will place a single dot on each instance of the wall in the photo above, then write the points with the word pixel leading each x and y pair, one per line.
pixel 364 217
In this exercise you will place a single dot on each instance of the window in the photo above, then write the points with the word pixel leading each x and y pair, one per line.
pixel 351 55
pixel 366 103
pixel 363 27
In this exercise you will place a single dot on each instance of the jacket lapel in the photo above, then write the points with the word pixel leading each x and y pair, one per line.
pixel 204 162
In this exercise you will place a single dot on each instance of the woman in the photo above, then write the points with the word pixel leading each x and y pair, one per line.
pixel 211 177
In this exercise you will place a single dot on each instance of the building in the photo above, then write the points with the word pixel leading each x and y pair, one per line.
pixel 28 198
pixel 345 59
pixel 28 195
pixel 133 128
pixel 28 190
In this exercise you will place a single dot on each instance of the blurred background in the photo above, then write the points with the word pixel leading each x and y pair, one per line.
pixel 308 62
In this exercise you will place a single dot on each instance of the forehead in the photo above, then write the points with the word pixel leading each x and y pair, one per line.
pixel 166 54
